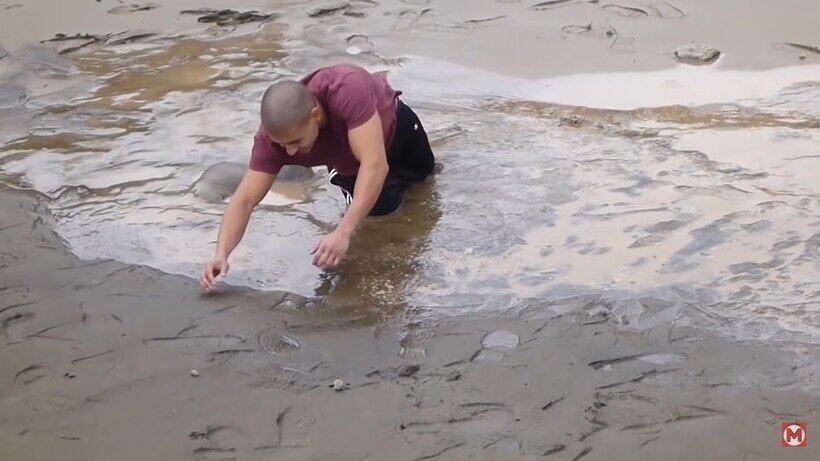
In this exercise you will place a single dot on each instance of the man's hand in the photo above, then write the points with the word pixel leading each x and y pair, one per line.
pixel 215 267
pixel 331 249
pixel 250 192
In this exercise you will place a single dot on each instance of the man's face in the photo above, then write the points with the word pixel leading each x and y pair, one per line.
pixel 300 138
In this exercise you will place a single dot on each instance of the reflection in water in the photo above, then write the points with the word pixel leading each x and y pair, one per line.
pixel 386 254
pixel 657 214
pixel 386 258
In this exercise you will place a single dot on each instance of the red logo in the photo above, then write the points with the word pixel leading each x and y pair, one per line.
pixel 794 434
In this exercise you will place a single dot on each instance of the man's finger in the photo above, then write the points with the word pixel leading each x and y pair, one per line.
pixel 329 257
pixel 320 253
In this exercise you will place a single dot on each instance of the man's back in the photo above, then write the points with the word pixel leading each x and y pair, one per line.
pixel 349 95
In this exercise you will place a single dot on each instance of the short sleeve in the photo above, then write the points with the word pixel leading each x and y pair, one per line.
pixel 353 100
pixel 263 155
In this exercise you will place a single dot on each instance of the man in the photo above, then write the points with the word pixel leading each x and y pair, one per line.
pixel 347 119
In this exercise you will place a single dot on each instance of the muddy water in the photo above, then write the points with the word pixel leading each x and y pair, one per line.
pixel 700 209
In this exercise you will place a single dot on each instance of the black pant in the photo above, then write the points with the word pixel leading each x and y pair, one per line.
pixel 409 157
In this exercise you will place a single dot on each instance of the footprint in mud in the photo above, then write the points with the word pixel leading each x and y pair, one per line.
pixel 428 15
pixel 31 374
pixel 413 339
pixel 275 343
pixel 222 441
pixel 408 19
pixel 422 20
pixel 50 402
pixel 358 44
pixel 10 324
pixel 405 21
pixel 293 427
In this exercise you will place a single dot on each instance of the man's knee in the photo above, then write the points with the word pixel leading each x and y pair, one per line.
pixel 388 202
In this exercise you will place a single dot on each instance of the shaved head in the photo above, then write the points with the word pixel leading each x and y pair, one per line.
pixel 285 105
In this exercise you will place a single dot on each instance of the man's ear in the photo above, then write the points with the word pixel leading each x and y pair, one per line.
pixel 315 113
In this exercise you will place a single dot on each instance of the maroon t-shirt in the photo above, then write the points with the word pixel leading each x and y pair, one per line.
pixel 349 95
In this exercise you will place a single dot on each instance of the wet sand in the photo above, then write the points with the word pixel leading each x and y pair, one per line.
pixel 641 282
pixel 97 356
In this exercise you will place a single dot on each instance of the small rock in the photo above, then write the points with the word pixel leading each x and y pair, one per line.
pixel 802 56
pixel 338 385
pixel 406 370
pixel 453 376
pixel 194 373
pixel 696 54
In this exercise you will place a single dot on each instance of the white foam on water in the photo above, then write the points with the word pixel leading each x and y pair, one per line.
pixel 681 85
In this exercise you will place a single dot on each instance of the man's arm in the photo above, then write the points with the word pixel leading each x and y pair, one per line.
pixel 367 144
pixel 249 193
